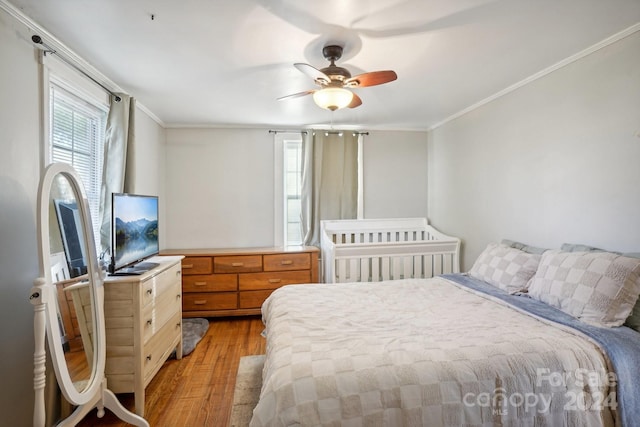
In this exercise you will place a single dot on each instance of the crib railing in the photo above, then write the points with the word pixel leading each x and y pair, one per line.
pixel 386 249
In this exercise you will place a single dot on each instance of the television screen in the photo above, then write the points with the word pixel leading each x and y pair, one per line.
pixel 134 230
pixel 70 224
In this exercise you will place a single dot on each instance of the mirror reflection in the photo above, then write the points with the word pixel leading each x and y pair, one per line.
pixel 68 263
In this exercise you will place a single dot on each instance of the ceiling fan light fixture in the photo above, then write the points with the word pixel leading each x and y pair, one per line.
pixel 333 98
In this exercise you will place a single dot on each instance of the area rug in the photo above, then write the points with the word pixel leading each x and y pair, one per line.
pixel 192 332
pixel 247 391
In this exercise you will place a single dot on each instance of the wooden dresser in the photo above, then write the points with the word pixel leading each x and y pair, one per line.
pixel 143 322
pixel 235 282
pixel 72 337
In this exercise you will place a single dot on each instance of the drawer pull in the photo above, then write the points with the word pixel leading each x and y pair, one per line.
pixel 237 264
pixel 178 273
pixel 187 265
pixel 275 280
pixel 286 262
pixel 200 302
pixel 149 358
pixel 178 296
pixel 149 322
pixel 199 283
pixel 149 291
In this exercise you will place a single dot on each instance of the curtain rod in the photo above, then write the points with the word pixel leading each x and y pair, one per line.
pixel 48 49
pixel 330 132
pixel 337 132
pixel 287 131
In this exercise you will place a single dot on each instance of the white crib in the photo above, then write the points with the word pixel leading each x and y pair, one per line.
pixel 371 250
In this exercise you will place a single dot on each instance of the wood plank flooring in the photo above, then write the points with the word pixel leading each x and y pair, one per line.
pixel 197 391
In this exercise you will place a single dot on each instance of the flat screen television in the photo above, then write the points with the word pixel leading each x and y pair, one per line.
pixel 134 233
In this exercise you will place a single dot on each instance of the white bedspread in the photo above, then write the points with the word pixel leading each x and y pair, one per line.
pixel 422 352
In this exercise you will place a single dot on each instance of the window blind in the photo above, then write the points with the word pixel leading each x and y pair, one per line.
pixel 77 138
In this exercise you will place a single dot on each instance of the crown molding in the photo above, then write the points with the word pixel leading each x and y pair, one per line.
pixel 151 115
pixel 573 58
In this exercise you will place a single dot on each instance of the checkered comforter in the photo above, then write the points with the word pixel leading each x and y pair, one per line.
pixel 423 352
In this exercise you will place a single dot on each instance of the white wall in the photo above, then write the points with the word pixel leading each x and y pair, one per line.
pixel 219 188
pixel 19 177
pixel 554 161
pixel 220 184
pixel 150 164
pixel 20 167
pixel 395 174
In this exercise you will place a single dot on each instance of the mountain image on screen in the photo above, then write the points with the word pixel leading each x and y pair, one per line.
pixel 135 239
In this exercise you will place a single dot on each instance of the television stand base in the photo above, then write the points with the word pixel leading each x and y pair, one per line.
pixel 135 270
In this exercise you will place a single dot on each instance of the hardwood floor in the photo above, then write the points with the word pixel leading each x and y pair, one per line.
pixel 197 390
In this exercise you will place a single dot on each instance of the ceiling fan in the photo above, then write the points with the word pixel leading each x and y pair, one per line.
pixel 335 82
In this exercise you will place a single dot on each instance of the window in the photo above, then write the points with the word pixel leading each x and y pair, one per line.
pixel 76 136
pixel 292 191
pixel 288 187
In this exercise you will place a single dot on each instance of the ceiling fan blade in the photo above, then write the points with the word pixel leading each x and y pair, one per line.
pixel 296 95
pixel 371 79
pixel 317 75
pixel 355 102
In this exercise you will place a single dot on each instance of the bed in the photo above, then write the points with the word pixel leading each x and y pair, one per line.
pixel 371 250
pixel 455 350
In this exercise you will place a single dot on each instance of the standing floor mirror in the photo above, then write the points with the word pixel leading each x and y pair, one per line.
pixel 69 264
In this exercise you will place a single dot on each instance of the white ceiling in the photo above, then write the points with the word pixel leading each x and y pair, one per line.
pixel 224 62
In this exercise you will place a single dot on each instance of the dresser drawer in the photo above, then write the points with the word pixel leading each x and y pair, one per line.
pixel 210 282
pixel 254 299
pixel 259 281
pixel 209 301
pixel 156 315
pixel 287 261
pixel 159 347
pixel 155 286
pixel 237 264
pixel 197 265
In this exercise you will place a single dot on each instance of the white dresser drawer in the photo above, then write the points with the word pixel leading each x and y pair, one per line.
pixel 153 287
pixel 160 346
pixel 157 314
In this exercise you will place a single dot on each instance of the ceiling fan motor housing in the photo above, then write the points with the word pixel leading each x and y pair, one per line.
pixel 333 53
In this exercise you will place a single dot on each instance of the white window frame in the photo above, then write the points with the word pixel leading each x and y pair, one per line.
pixel 55 71
pixel 280 205
pixel 286 197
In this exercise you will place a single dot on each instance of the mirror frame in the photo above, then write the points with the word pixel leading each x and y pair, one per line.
pixel 54 337
pixel 44 298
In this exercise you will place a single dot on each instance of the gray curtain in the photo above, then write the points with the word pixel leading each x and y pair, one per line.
pixel 329 180
pixel 119 163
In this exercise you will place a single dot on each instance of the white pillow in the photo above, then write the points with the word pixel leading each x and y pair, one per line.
pixel 599 288
pixel 507 268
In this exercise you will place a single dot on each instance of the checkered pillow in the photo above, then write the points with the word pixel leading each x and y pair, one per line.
pixel 599 288
pixel 507 268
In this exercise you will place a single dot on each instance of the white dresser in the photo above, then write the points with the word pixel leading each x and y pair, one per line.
pixel 143 320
